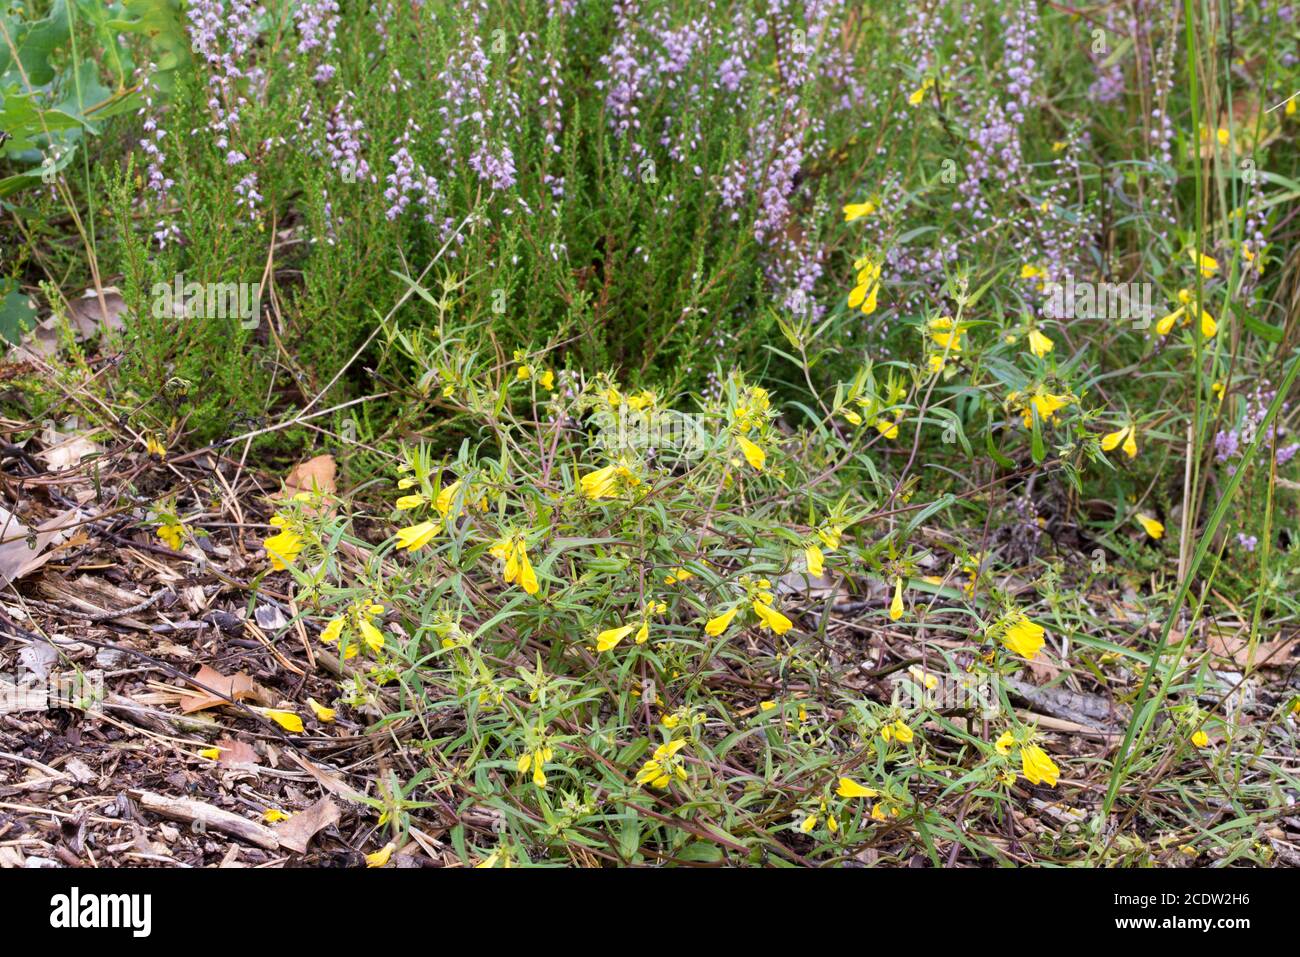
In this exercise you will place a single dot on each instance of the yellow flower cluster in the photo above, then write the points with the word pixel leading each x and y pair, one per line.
pixel 356 621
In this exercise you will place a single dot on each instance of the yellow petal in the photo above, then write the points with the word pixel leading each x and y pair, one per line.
pixel 527 577
pixel 610 637
pixel 814 559
pixel 1111 439
pixel 896 606
pixel 857 210
pixel 1038 768
pixel 273 815
pixel 374 638
pixel 381 856
pixel 1200 739
pixel 416 536
pixel 850 788
pixel 1039 344
pixel 1005 743
pixel 1151 526
pixel 408 502
pixel 1024 638
pixel 808 824
pixel 772 618
pixel 718 625
pixel 322 713
pixel 755 456
pixel 285 719
pixel 1130 444
pixel 446 497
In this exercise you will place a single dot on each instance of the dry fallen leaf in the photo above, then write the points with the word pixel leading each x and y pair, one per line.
pixel 240 688
pixel 297 832
pixel 21 550
pixel 236 752
pixel 1268 654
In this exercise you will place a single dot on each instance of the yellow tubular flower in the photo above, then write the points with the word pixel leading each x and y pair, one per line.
pixel 527 577
pixel 1024 638
pixel 1150 525
pixel 850 788
pixel 717 626
pixel 888 429
pixel 1039 344
pixel 1200 739
pixel 172 535
pixel 772 618
pixel 815 560
pixel 1126 435
pixel 1004 744
pixel 414 537
pixel 1167 323
pixel 857 210
pixel 602 483
pixel 1207 264
pixel 284 547
pixel 1037 767
pixel 754 455
pixel 896 606
pixel 323 714
pixel 446 497
pixel 610 637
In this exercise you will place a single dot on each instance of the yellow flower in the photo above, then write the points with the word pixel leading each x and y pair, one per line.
pixel 888 429
pixel 1208 326
pixel 1037 767
pixel 212 754
pixel 918 95
pixel 282 548
pixel 606 482
pixel 373 637
pixel 754 455
pixel 717 626
pixel 852 417
pixel 1200 739
pixel 808 823
pixel 946 333
pixel 547 380
pixel 514 552
pixel 273 815
pixel 772 618
pixel 1222 136
pixel 537 761
pixel 1039 344
pixel 322 713
pixel 172 534
pixel 643 633
pixel 1167 323
pixel 864 294
pixel 447 497
pixel 1207 264
pixel 678 575
pixel 814 559
pixel 850 788
pixel 1005 743
pixel 897 730
pixel 1044 403
pixel 610 637
pixel 857 210
pixel 416 536
pixel 1127 435
pixel 407 502
pixel 661 769
pixel 1030 271
pixel 523 372
pixel 1150 525
pixel 896 606
pixel 381 856
pixel 830 536
pixel 1024 638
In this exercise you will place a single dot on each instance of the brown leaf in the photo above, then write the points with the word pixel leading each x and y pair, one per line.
pixel 22 552
pixel 297 832
pixel 236 752
pixel 240 688
pixel 314 475
pixel 1268 654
